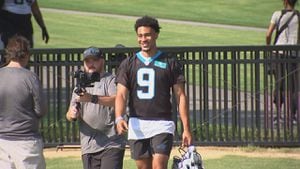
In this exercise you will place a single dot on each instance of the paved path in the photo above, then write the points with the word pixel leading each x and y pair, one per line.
pixel 161 20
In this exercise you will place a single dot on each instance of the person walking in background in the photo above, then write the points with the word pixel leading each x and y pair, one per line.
pixel 147 79
pixel 22 105
pixel 101 146
pixel 15 16
pixel 116 58
pixel 286 24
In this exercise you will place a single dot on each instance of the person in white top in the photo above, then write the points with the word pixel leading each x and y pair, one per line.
pixel 286 25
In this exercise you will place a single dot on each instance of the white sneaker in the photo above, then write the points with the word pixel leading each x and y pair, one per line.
pixel 275 120
pixel 294 121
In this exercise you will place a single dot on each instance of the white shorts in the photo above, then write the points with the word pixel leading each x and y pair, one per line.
pixel 22 154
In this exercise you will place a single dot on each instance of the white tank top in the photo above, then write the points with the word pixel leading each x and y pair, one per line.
pixel 18 6
pixel 143 129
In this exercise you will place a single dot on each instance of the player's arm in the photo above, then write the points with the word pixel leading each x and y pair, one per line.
pixel 120 106
pixel 184 113
pixel 39 19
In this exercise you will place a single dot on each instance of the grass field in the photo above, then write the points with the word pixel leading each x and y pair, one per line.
pixel 77 30
pixel 213 157
pixel 74 30
pixel 226 162
pixel 66 31
pixel 237 12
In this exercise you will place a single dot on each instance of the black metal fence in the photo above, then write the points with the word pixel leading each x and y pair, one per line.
pixel 231 91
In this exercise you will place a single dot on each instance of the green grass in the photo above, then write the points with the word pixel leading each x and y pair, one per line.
pixel 75 31
pixel 226 162
pixel 239 162
pixel 76 163
pixel 242 12
pixel 64 163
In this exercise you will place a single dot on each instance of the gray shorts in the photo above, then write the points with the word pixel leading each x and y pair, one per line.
pixel 22 154
pixel 145 148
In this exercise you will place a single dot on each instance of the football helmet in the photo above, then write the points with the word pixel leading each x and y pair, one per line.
pixel 190 159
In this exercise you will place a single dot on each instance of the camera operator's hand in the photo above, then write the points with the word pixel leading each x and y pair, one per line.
pixel 73 113
pixel 84 97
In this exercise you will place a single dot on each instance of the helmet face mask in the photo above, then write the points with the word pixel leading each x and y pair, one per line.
pixel 189 159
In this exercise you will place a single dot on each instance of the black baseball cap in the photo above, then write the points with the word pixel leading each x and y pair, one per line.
pixel 92 52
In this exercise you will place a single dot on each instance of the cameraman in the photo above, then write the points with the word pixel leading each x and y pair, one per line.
pixel 101 147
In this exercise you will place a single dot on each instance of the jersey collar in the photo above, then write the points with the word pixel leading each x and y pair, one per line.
pixel 147 60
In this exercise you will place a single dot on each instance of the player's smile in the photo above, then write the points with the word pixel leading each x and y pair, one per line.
pixel 145 45
pixel 146 39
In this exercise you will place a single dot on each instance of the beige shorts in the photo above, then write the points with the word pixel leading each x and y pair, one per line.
pixel 22 154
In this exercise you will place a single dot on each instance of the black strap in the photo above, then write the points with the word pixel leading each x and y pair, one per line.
pixel 283 27
pixel 298 38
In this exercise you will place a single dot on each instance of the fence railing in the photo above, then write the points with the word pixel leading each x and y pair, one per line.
pixel 232 92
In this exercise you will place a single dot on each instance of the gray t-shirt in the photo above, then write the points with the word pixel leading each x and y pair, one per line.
pixel 22 104
pixel 97 128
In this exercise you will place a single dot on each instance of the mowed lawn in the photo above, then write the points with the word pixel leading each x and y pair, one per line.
pixel 255 13
pixel 213 158
pixel 71 30
pixel 227 162
pixel 79 30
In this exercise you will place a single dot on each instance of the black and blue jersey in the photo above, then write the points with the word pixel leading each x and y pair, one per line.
pixel 149 81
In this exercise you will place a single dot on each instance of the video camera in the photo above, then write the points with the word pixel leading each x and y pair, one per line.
pixel 84 80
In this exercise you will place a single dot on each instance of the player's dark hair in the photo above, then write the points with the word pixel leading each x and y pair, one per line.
pixel 147 21
pixel 17 48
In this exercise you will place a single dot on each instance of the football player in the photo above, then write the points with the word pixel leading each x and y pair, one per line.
pixel 147 79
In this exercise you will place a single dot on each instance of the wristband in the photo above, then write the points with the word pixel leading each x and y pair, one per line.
pixel 94 99
pixel 118 119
